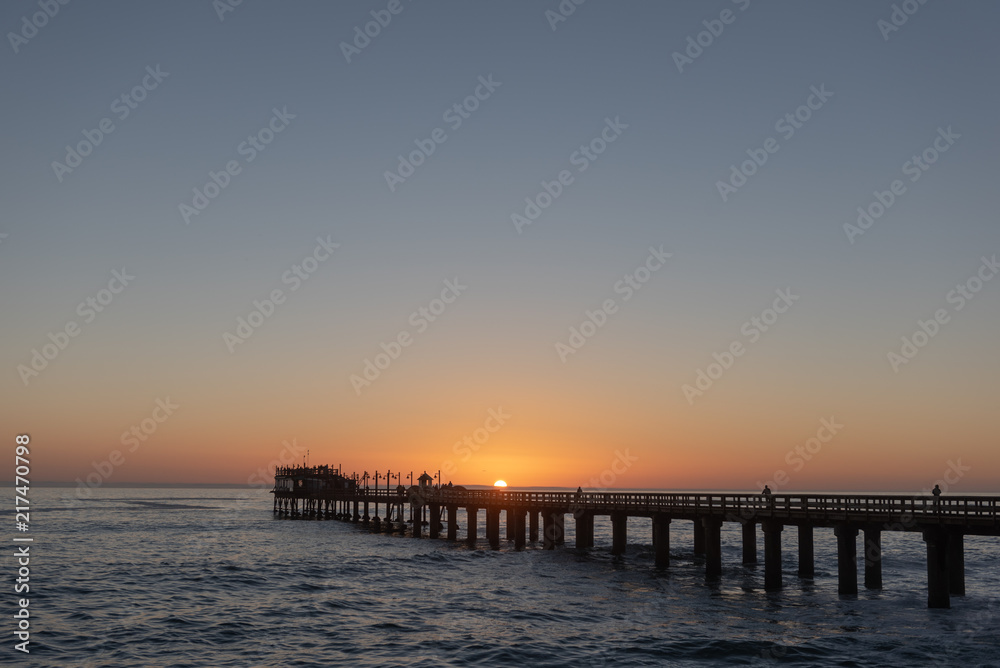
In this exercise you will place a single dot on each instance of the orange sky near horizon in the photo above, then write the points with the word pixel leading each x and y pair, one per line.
pixel 557 432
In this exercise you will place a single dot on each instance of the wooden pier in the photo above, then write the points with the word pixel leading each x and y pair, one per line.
pixel 321 492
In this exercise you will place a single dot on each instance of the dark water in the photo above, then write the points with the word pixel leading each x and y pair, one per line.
pixel 169 577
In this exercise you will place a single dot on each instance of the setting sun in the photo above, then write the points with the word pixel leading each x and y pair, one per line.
pixel 499 483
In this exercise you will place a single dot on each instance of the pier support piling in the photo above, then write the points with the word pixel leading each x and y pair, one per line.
pixel 807 568
pixel 847 559
pixel 416 514
pixel 772 554
pixel 584 530
pixel 661 540
pixel 452 522
pixel 493 527
pixel 873 558
pixel 533 526
pixel 749 542
pixel 713 546
pixel 955 562
pixel 435 526
pixel 699 537
pixel 560 528
pixel 548 531
pixel 518 529
pixel 619 532
pixel 937 568
pixel 472 515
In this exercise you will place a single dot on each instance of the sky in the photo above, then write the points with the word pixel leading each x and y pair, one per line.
pixel 703 245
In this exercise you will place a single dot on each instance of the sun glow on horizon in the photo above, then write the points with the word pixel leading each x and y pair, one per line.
pixel 499 483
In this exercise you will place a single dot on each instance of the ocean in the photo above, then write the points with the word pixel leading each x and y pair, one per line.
pixel 209 577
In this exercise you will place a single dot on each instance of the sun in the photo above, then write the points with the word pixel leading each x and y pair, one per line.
pixel 499 483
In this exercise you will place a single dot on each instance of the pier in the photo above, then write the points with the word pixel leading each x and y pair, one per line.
pixel 943 521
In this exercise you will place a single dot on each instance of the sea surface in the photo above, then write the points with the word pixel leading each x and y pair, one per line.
pixel 209 577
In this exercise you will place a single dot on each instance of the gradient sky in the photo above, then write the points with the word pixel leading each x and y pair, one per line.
pixel 494 347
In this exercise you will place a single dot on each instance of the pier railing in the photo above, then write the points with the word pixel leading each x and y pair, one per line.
pixel 829 507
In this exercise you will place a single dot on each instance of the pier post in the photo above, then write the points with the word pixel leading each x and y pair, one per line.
pixel 713 546
pixel 807 567
pixel 873 557
pixel 416 515
pixel 955 562
pixel 749 542
pixel 357 515
pixel 847 559
pixel 518 529
pixel 533 525
pixel 772 554
pixel 619 532
pixel 493 527
pixel 584 530
pixel 472 520
pixel 699 537
pixel 661 540
pixel 452 522
pixel 548 531
pixel 435 528
pixel 560 527
pixel 937 568
pixel 365 518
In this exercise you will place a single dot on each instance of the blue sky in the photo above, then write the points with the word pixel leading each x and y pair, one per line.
pixel 655 185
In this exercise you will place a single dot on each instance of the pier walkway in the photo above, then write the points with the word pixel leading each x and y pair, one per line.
pixel 320 492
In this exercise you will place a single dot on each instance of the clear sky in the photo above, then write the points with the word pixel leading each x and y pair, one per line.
pixel 464 187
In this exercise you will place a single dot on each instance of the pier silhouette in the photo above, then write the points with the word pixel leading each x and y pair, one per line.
pixel 944 521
